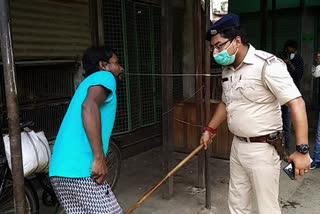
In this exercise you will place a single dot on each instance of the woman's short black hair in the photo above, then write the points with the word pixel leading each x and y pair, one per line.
pixel 92 56
pixel 233 32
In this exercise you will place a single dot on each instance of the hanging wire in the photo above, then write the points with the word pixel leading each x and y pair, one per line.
pixel 174 75
pixel 191 124
pixel 179 75
pixel 182 121
pixel 185 99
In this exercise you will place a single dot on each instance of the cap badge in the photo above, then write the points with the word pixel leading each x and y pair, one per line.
pixel 214 32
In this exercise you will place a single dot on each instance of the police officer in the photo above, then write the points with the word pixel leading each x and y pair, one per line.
pixel 255 84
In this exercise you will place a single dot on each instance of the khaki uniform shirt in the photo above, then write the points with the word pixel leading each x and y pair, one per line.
pixel 252 101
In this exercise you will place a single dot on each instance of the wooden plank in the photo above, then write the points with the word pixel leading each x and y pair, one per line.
pixel 180 138
pixel 186 134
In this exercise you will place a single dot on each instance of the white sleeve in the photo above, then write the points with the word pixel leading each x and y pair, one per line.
pixel 316 71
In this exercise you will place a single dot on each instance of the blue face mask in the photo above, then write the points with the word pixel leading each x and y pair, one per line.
pixel 292 56
pixel 223 58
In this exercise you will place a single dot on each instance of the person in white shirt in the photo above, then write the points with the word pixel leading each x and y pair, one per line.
pixel 254 86
pixel 316 65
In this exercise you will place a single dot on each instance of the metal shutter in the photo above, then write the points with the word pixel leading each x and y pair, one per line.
pixel 50 29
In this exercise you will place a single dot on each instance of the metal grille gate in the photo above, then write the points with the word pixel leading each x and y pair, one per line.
pixel 133 30
pixel 114 37
pixel 44 93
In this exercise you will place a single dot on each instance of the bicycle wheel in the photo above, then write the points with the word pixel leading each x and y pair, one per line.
pixel 7 199
pixel 113 161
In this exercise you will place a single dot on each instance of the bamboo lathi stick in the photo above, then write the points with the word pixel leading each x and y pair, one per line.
pixel 195 151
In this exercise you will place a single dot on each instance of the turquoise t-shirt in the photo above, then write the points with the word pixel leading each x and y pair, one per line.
pixel 72 155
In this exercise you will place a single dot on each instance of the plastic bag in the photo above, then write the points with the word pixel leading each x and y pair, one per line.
pixel 36 152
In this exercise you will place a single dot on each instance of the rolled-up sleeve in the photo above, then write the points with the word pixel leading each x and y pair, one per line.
pixel 280 83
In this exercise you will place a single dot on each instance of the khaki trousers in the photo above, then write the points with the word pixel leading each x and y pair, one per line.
pixel 254 168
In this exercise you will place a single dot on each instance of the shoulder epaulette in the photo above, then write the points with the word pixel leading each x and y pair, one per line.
pixel 268 57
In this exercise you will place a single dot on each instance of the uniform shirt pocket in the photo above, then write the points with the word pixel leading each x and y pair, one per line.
pixel 254 91
pixel 226 87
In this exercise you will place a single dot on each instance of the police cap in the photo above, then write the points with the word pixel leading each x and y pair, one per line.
pixel 227 21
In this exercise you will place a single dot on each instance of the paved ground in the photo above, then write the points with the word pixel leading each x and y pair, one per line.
pixel 300 196
pixel 141 172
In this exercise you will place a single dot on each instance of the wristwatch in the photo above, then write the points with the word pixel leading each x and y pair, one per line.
pixel 302 148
